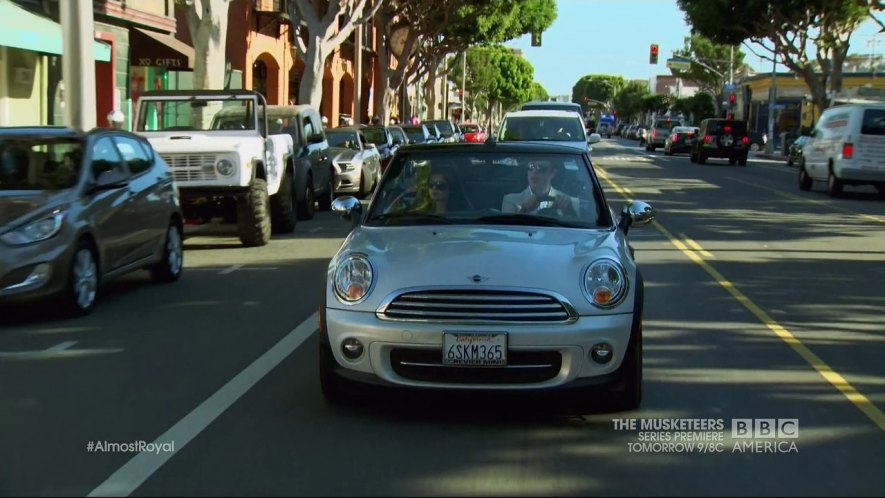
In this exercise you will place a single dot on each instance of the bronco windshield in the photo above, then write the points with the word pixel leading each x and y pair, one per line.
pixel 489 187
pixel 190 114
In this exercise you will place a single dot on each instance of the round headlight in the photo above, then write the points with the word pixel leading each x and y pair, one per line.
pixel 225 167
pixel 605 283
pixel 353 278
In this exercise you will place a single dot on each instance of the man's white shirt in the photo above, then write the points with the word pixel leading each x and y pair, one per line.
pixel 512 203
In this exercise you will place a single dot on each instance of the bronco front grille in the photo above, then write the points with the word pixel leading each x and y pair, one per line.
pixel 191 167
pixel 477 306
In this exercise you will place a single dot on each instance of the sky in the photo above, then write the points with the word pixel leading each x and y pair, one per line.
pixel 613 37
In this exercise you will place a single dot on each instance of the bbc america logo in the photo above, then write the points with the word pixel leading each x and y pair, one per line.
pixel 765 428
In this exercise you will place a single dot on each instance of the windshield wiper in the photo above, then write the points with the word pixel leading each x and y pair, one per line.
pixel 527 220
pixel 420 218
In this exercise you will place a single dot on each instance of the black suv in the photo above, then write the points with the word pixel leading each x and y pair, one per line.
pixel 722 139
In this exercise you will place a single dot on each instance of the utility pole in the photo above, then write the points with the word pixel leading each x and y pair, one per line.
pixel 772 97
pixel 464 87
pixel 78 64
pixel 731 67
pixel 358 77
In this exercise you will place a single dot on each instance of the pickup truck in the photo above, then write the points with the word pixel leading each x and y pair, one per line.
pixel 223 160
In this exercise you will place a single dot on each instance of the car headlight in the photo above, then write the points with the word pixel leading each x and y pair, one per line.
pixel 36 231
pixel 605 283
pixel 225 167
pixel 353 279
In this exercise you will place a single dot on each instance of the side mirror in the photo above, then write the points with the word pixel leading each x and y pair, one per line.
pixel 635 213
pixel 111 179
pixel 370 145
pixel 594 138
pixel 315 138
pixel 348 208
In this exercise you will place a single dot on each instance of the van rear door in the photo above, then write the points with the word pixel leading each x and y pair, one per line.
pixel 869 151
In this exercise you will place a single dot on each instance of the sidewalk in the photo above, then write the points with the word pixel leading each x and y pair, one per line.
pixel 778 155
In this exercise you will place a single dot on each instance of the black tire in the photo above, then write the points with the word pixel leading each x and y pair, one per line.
pixel 282 206
pixel 651 148
pixel 253 215
pixel 306 207
pixel 790 161
pixel 701 158
pixel 169 268
pixel 692 157
pixel 754 147
pixel 325 200
pixel 834 185
pixel 742 161
pixel 81 289
pixel 805 181
pixel 361 193
pixel 732 161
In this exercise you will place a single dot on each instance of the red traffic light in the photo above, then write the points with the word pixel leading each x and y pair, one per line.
pixel 653 54
pixel 460 93
pixel 731 99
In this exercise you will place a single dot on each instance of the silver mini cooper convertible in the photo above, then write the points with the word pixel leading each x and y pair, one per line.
pixel 486 267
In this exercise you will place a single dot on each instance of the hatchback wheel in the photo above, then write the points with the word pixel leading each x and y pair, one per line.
pixel 805 181
pixel 82 287
pixel 169 268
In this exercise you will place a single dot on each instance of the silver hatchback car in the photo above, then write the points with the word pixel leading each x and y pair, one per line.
pixel 495 267
pixel 77 210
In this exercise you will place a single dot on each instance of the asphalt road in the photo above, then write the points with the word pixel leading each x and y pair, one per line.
pixel 762 302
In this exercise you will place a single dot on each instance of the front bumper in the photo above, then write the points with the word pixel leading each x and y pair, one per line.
pixel 348 182
pixel 36 270
pixel 386 342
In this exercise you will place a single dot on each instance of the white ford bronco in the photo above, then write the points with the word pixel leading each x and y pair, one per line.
pixel 223 161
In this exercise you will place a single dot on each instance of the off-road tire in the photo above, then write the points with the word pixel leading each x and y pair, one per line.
pixel 282 206
pixel 253 215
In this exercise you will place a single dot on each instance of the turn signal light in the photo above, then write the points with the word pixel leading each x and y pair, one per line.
pixel 745 140
pixel 707 139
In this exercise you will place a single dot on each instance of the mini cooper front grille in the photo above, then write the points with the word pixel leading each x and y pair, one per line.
pixel 191 167
pixel 523 367
pixel 476 306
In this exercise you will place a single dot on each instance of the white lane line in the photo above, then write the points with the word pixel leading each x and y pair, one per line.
pixel 315 230
pixel 228 271
pixel 58 348
pixel 136 471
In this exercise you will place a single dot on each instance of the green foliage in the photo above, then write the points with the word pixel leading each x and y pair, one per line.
pixel 710 54
pixel 496 74
pixel 698 107
pixel 629 101
pixel 496 21
pixel 538 93
pixel 656 103
pixel 599 87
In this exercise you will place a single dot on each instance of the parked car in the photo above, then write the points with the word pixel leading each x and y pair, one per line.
pixel 381 138
pixel 78 210
pixel 722 139
pixel 357 162
pixel 473 133
pixel 459 278
pixel 846 147
pixel 419 134
pixel 682 139
pixel 446 130
pixel 556 127
pixel 795 154
pixel 435 132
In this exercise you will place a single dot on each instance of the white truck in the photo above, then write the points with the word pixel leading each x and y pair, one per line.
pixel 223 161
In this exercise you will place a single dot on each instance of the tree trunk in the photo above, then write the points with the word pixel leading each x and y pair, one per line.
pixel 430 90
pixel 208 30
pixel 382 102
pixel 311 89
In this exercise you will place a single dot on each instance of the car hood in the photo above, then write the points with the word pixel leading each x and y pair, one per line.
pixel 502 257
pixel 17 206
pixel 343 154
pixel 570 143
pixel 198 142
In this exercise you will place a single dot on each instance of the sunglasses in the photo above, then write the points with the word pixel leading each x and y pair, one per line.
pixel 539 167
pixel 438 185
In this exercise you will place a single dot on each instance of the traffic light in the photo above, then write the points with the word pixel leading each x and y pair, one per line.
pixel 653 54
pixel 732 98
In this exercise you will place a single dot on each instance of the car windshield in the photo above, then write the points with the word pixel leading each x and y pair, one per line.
pixel 375 136
pixel 542 128
pixel 39 163
pixel 189 114
pixel 469 128
pixel 415 134
pixel 445 128
pixel 489 187
pixel 345 139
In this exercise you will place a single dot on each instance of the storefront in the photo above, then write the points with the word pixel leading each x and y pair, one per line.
pixel 158 62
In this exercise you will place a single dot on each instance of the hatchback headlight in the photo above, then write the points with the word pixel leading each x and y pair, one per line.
pixel 605 283
pixel 225 167
pixel 353 279
pixel 35 231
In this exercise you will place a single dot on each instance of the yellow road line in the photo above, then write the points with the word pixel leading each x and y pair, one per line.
pixel 830 205
pixel 694 245
pixel 831 376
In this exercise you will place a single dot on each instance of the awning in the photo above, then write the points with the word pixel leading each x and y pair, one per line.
pixel 152 49
pixel 23 30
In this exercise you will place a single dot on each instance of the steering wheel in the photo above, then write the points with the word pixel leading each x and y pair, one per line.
pixel 549 207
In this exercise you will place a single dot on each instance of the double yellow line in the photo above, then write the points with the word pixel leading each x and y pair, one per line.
pixel 696 253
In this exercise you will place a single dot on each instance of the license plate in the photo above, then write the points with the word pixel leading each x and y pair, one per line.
pixel 485 349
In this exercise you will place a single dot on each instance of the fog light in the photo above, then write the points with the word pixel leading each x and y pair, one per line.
pixel 352 348
pixel 601 353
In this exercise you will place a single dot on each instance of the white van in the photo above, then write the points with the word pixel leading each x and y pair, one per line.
pixel 847 147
